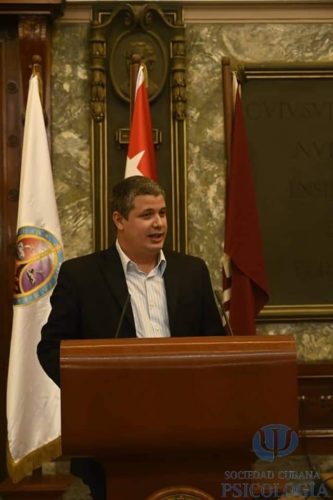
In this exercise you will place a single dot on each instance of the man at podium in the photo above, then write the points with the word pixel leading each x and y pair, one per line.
pixel 133 289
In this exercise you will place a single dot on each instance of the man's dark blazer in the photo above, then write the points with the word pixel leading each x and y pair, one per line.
pixel 91 292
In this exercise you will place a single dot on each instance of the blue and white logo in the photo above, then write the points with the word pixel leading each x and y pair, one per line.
pixel 38 259
pixel 274 441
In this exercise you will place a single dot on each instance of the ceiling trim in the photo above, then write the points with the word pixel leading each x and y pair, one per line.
pixel 226 11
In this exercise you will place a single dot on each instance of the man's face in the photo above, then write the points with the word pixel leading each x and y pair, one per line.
pixel 143 232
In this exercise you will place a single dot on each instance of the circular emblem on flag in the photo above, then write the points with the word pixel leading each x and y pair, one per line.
pixel 39 255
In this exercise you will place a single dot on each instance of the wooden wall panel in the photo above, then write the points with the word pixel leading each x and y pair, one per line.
pixel 24 34
pixel 11 109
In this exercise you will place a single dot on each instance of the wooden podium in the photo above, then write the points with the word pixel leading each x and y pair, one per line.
pixel 174 412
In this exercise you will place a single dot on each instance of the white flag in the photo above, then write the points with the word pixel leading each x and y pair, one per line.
pixel 33 399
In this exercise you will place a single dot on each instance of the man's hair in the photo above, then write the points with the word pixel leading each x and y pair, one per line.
pixel 124 193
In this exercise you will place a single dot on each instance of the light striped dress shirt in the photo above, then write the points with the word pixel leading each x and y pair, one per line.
pixel 148 297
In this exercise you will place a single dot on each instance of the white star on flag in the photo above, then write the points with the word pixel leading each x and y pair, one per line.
pixel 132 165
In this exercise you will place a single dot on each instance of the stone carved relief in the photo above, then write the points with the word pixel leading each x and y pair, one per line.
pixel 148 47
pixel 136 40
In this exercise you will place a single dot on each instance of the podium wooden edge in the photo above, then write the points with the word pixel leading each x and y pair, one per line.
pixel 44 487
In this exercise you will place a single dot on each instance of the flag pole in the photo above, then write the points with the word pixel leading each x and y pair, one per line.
pixel 228 107
pixel 134 69
pixel 37 474
pixel 37 71
pixel 228 115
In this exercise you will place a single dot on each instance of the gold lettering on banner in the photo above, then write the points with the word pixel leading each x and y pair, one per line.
pixel 311 190
pixel 310 269
pixel 285 110
pixel 312 150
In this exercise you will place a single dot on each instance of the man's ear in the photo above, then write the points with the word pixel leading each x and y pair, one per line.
pixel 118 220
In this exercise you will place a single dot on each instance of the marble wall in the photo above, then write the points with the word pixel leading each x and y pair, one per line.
pixel 71 136
pixel 206 45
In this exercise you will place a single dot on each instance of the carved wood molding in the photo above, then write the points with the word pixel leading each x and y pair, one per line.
pixel 136 38
pixel 34 35
pixel 51 8
pixel 222 11
pixel 156 34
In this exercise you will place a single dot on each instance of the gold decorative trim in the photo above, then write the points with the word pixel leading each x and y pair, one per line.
pixel 316 433
pixel 276 70
pixel 286 313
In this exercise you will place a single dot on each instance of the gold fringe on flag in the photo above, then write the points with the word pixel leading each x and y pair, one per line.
pixel 34 460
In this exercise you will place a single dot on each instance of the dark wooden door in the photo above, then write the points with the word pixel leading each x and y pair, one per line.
pixel 11 112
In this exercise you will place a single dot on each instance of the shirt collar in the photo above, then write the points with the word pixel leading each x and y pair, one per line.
pixel 126 261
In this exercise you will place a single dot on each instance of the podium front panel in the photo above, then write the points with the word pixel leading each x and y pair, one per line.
pixel 177 395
